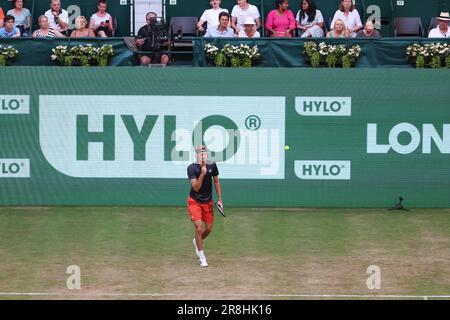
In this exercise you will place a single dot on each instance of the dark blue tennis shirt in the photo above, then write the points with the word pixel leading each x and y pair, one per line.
pixel 204 194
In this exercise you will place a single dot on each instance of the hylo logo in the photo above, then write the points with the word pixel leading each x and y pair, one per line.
pixel 154 136
pixel 14 168
pixel 14 105
pixel 323 170
pixel 324 106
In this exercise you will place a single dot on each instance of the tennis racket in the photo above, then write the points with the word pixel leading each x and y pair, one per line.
pixel 220 208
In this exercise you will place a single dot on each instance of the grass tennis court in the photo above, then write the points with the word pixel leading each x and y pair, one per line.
pixel 252 253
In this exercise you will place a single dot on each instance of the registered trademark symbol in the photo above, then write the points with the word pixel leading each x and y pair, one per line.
pixel 253 122
pixel 21 101
pixel 342 167
pixel 343 103
pixel 22 164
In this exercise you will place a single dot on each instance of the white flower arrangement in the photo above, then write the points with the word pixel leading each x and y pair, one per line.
pixel 430 55
pixel 331 54
pixel 235 56
pixel 85 55
pixel 7 53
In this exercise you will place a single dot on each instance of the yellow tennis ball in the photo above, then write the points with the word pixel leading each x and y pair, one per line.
pixel 286 148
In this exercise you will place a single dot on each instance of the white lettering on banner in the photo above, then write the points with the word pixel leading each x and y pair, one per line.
pixel 14 104
pixel 426 136
pixel 14 168
pixel 324 106
pixel 154 136
pixel 323 170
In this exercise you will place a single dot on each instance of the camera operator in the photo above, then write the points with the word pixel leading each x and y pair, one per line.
pixel 149 38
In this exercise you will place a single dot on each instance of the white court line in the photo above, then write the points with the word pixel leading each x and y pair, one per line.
pixel 99 294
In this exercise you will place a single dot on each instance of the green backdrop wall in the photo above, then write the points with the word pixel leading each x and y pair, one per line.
pixel 358 138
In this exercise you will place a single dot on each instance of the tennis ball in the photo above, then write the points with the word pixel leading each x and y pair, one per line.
pixel 286 148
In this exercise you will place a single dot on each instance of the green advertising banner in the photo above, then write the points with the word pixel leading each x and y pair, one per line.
pixel 125 136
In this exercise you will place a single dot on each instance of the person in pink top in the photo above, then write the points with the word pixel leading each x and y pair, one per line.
pixel 280 22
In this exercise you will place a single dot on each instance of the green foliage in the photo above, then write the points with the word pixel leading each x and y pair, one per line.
pixel 346 62
pixel 447 62
pixel 103 61
pixel 332 55
pixel 68 60
pixel 234 56
pixel 7 53
pixel 430 55
pixel 85 61
pixel 235 62
pixel 246 62
pixel 315 60
pixel 220 60
pixel 435 62
pixel 420 62
pixel 331 60
pixel 82 55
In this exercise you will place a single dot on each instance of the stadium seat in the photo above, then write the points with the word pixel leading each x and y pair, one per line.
pixel 408 27
pixel 434 22
pixel 328 8
pixel 182 48
pixel 187 26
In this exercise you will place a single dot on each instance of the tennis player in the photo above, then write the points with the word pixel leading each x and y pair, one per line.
pixel 200 203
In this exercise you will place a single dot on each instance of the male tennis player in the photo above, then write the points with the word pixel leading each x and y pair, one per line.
pixel 200 203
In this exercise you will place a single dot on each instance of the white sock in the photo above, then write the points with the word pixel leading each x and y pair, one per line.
pixel 200 253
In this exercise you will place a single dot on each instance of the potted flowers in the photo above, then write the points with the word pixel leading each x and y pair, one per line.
pixel 233 56
pixel 7 54
pixel 331 55
pixel 431 55
pixel 82 55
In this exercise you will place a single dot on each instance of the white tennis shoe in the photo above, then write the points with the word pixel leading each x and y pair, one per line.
pixel 202 260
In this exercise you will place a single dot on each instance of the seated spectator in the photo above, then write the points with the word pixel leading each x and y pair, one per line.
pixel 9 31
pixel 211 16
pixel 222 30
pixel 310 20
pixel 2 17
pixel 368 32
pixel 45 31
pixel 22 18
pixel 81 30
pixel 146 41
pixel 339 30
pixel 101 22
pixel 348 13
pixel 58 18
pixel 249 29
pixel 280 22
pixel 442 30
pixel 241 12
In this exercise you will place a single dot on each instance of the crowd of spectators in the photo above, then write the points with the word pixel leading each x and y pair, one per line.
pixel 55 22
pixel 307 23
pixel 243 21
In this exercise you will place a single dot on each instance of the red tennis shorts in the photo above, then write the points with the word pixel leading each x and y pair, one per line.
pixel 201 211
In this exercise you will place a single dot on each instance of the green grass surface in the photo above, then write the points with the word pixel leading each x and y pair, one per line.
pixel 252 253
